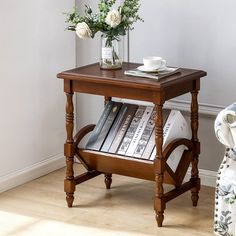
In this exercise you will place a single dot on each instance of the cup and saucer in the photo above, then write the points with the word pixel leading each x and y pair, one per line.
pixel 153 64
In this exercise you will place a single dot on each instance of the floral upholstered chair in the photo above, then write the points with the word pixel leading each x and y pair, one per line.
pixel 225 199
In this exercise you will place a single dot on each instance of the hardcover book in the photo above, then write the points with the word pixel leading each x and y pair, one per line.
pixel 106 127
pixel 139 131
pixel 151 142
pixel 126 120
pixel 95 133
pixel 114 129
pixel 145 136
pixel 153 75
pixel 175 127
pixel 131 130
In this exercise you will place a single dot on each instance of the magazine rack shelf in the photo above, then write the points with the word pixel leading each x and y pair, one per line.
pixel 91 79
pixel 128 166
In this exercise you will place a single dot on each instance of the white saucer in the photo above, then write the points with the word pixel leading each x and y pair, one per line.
pixel 145 69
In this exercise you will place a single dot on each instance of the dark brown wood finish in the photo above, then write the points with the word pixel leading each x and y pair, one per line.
pixel 143 169
pixel 69 151
pixel 194 126
pixel 90 79
pixel 108 180
pixel 108 177
pixel 159 163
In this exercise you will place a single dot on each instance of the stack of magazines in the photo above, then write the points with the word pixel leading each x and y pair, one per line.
pixel 167 71
pixel 129 130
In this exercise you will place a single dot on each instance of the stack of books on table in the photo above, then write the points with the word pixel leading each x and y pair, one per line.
pixel 128 130
pixel 156 74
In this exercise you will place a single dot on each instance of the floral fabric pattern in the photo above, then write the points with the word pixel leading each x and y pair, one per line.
pixel 225 197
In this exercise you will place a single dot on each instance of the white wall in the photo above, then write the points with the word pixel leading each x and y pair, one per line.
pixel 33 48
pixel 192 33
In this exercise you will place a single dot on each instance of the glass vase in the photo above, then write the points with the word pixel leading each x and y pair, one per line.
pixel 111 52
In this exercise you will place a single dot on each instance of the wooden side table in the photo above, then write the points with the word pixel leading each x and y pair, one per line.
pixel 113 83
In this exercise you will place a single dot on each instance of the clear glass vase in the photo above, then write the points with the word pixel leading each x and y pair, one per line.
pixel 111 52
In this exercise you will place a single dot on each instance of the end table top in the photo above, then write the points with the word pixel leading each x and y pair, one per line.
pixel 92 73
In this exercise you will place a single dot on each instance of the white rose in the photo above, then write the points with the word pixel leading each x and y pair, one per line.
pixel 83 30
pixel 113 18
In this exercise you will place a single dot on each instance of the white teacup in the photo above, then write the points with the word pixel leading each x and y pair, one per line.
pixel 154 62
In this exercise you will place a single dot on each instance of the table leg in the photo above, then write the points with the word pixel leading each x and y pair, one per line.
pixel 196 150
pixel 106 100
pixel 108 177
pixel 108 180
pixel 159 164
pixel 69 182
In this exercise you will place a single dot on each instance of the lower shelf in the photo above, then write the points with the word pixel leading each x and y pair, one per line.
pixel 115 164
pixel 128 166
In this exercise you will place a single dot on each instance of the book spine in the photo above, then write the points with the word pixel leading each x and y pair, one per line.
pixel 123 128
pixel 114 129
pixel 153 154
pixel 106 127
pixel 150 146
pixel 98 127
pixel 145 136
pixel 132 128
pixel 139 131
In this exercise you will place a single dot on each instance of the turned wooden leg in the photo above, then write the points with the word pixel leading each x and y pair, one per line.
pixel 159 166
pixel 106 100
pixel 69 183
pixel 108 180
pixel 108 177
pixel 196 150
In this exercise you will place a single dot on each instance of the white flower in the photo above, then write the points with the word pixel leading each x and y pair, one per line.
pixel 83 30
pixel 113 18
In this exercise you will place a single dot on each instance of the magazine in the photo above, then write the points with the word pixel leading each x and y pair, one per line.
pixel 153 75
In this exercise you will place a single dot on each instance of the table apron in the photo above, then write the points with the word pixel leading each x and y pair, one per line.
pixel 158 96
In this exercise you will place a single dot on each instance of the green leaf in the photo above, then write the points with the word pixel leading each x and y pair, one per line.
pixel 97 22
pixel 122 31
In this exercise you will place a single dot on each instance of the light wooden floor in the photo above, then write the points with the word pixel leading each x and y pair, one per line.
pixel 39 208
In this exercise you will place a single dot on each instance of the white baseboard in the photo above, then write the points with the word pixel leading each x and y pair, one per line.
pixel 32 172
pixel 204 108
pixel 208 177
